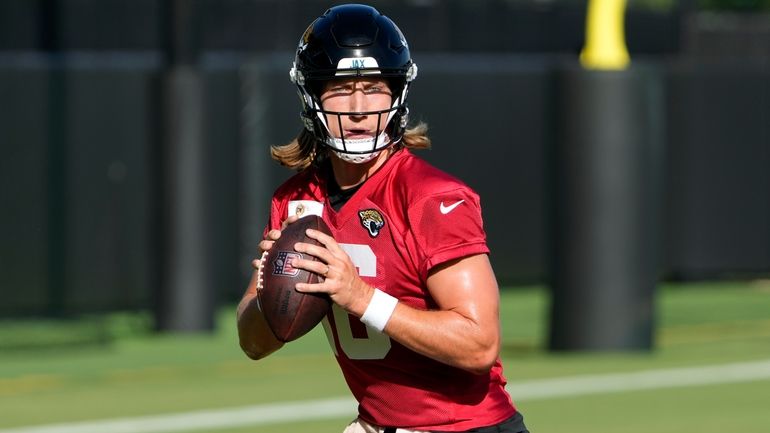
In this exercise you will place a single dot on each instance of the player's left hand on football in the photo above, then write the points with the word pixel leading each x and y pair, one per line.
pixel 341 281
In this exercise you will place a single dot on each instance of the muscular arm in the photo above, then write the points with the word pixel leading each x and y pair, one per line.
pixel 465 331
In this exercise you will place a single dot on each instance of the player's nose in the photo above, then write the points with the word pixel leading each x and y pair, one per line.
pixel 357 102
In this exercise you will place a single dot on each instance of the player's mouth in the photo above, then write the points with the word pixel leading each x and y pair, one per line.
pixel 357 134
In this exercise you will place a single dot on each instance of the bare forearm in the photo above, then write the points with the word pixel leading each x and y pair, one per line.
pixel 446 336
pixel 463 331
pixel 255 337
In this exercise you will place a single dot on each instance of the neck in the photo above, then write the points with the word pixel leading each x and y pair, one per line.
pixel 349 175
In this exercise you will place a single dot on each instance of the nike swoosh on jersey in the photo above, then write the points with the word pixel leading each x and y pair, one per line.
pixel 446 209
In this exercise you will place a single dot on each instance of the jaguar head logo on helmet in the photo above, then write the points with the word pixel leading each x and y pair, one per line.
pixel 353 41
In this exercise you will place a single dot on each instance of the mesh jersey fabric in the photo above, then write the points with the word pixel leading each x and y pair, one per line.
pixel 404 220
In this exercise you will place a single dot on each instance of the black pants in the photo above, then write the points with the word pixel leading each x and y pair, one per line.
pixel 514 424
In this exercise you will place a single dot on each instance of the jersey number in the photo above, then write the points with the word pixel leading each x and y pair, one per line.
pixel 375 345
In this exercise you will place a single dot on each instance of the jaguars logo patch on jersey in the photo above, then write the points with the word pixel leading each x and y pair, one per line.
pixel 372 221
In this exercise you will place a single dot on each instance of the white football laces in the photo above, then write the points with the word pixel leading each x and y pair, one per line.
pixel 260 266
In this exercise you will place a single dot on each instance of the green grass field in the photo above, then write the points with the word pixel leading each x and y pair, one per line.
pixel 126 371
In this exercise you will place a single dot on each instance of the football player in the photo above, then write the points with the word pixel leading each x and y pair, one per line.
pixel 415 323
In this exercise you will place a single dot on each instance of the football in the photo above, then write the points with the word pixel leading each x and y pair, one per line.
pixel 292 314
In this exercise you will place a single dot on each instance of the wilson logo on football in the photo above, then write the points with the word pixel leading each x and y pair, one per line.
pixel 282 264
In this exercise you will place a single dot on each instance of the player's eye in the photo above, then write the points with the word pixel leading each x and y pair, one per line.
pixel 340 89
pixel 377 88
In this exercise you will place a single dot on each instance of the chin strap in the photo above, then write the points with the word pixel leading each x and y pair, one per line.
pixel 356 158
pixel 357 146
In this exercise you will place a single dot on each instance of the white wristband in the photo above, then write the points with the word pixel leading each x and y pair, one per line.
pixel 379 310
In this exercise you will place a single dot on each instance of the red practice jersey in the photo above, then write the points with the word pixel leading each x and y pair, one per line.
pixel 404 220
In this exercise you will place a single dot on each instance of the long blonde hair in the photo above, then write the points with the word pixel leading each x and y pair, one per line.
pixel 304 150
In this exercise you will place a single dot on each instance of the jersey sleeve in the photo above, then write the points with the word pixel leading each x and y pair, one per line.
pixel 274 220
pixel 447 226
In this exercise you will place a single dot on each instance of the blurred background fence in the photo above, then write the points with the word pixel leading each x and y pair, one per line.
pixel 81 113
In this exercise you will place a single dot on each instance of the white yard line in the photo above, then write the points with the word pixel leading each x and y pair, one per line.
pixel 341 407
pixel 206 419
pixel 641 380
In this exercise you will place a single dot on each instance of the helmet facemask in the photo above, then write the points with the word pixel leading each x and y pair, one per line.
pixel 390 126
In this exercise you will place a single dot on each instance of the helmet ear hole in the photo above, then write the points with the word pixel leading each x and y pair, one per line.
pixel 404 120
pixel 308 123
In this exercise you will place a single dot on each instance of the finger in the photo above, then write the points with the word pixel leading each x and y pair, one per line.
pixel 288 221
pixel 329 242
pixel 317 251
pixel 259 262
pixel 315 266
pixel 265 245
pixel 310 288
pixel 274 234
